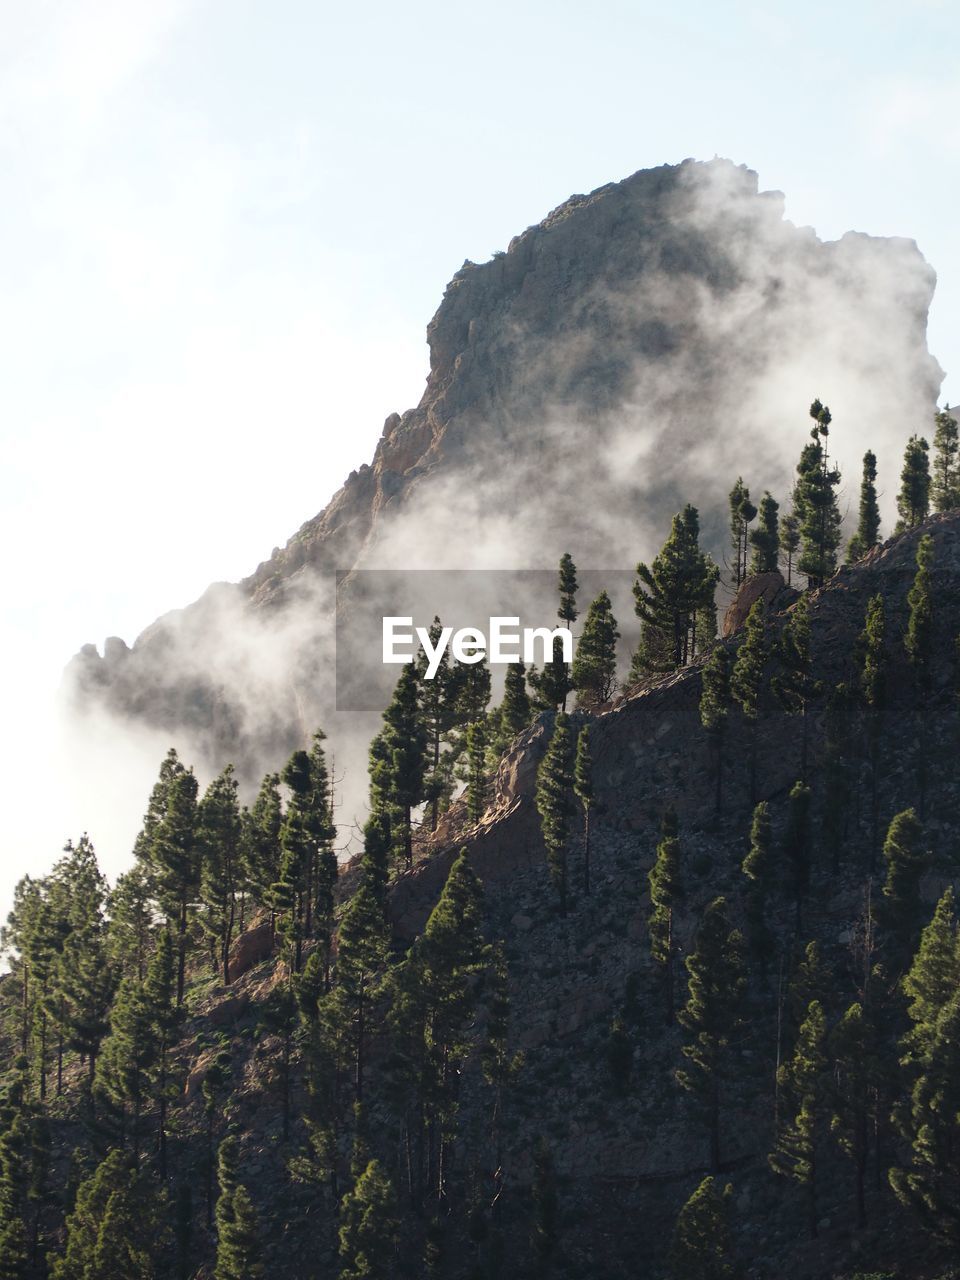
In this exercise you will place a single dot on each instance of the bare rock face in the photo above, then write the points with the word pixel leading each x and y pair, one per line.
pixel 252 946
pixel 624 356
pixel 764 586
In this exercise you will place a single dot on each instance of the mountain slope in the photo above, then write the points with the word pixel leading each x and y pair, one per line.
pixel 620 358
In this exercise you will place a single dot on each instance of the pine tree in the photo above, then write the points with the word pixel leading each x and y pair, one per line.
pixel 218 822
pixel 125 1070
pixel 919 646
pixel 594 671
pixel 568 590
pixel 906 859
pixel 118 1228
pixel 913 500
pixel 871 659
pixel 478 779
pixel 666 892
pixel 447 959
pixel 715 702
pixel 712 1015
pixel 132 1071
pixel 131 922
pixel 765 539
pixel 850 1050
pixel 815 502
pixel 583 787
pixel 797 845
pixel 289 896
pixel 868 522
pixel 239 1253
pixel 175 857
pixel 669 595
pixel 701 1248
pixel 795 685
pixel 747 683
pixel 323 833
pixel 261 840
pixel 789 540
pixel 760 873
pixel 405 744
pixel 555 778
pixel 946 464
pixel 742 511
pixel 553 684
pixel 801 1085
pixel 438 708
pixel 369 1227
pixel 931 979
pixel 361 953
pixel 515 710
pixel 928 1183
pixel 86 978
pixel 14 1190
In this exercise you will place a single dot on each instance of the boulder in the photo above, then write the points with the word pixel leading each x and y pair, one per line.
pixel 250 948
pixel 763 586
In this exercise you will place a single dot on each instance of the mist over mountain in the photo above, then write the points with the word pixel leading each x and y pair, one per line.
pixel 637 349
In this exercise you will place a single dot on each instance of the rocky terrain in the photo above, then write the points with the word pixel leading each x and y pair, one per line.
pixel 620 358
pixel 627 1159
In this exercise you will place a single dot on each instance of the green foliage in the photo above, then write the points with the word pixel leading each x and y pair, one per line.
pixel 594 669
pixel 742 511
pixel 583 789
pixel 795 685
pixel 567 583
pixel 928 1182
pixel 404 758
pixel 760 874
pixel 439 709
pixel 789 541
pixel 702 1248
pixel 815 502
pixel 868 522
pixel 919 638
pixel 666 892
pixel 801 1084
pixel 913 500
pixel 712 1014
pixel 931 979
pixel 765 539
pixel 715 703
pixel 369 1227
pixel 239 1251
pixel 852 1084
pixel 669 595
pixel 515 710
pixel 945 482
pixel 118 1228
pixel 555 802
pixel 747 681
pixel 478 778
pixel 906 858
pixel 219 838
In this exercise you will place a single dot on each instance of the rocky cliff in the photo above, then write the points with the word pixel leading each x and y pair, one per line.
pixel 638 348
pixel 628 1155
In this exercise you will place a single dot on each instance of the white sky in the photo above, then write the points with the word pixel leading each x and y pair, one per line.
pixel 224 226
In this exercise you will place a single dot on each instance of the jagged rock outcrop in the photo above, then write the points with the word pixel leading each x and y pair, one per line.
pixel 620 358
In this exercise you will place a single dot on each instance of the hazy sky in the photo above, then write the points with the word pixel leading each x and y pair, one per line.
pixel 224 227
